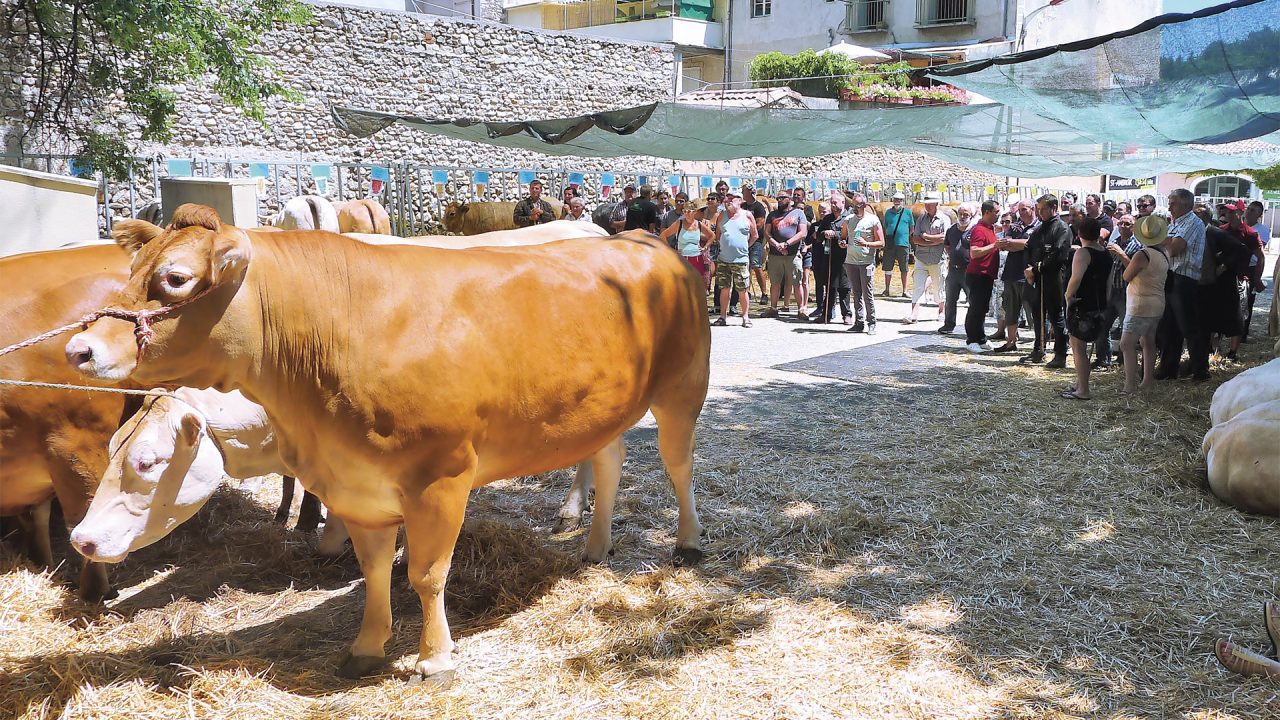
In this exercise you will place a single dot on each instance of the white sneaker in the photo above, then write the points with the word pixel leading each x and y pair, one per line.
pixel 976 348
pixel 986 346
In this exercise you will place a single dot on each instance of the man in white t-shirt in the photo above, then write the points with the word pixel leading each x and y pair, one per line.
pixel 862 233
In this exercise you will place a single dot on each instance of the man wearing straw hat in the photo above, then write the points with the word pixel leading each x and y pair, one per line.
pixel 929 233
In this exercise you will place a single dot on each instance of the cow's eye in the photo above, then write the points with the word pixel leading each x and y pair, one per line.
pixel 176 279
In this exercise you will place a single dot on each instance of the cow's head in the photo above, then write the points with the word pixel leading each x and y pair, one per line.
pixel 195 259
pixel 164 465
pixel 454 213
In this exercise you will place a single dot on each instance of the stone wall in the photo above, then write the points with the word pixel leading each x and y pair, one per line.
pixel 446 67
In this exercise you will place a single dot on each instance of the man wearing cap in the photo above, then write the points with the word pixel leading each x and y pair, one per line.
pixel 1246 272
pixel 1185 247
pixel 897 241
pixel 784 230
pixel 828 270
pixel 533 210
pixel 928 235
pixel 1253 218
pixel 618 215
pixel 1122 247
pixel 751 204
pixel 642 213
pixel 674 214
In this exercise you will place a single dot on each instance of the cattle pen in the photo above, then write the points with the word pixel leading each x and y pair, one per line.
pixel 898 561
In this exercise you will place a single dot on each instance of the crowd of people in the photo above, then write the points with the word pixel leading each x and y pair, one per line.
pixel 1108 283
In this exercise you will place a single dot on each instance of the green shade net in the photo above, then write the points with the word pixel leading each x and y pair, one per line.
pixel 1178 93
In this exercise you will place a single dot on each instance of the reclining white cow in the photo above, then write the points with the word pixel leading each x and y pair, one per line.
pixel 307 212
pixel 1242 449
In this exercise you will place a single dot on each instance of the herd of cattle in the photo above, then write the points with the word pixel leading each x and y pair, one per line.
pixel 365 365
pixel 367 368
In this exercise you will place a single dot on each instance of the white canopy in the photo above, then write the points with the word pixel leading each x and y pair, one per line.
pixel 856 52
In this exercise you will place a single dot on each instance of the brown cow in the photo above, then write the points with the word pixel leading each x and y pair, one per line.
pixel 395 392
pixel 463 218
pixel 363 216
pixel 53 443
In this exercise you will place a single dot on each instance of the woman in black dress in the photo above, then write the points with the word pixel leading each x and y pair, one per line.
pixel 1086 299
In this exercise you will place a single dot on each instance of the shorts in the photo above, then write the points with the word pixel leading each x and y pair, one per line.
pixel 894 255
pixel 757 255
pixel 697 262
pixel 733 275
pixel 1014 292
pixel 1140 325
pixel 808 262
pixel 783 270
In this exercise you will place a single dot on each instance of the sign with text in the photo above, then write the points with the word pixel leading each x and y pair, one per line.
pixel 1115 182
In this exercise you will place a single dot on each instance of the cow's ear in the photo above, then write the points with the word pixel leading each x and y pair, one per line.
pixel 131 235
pixel 190 428
pixel 464 207
pixel 231 254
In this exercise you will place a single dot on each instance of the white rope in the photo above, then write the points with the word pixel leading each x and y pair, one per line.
pixel 90 388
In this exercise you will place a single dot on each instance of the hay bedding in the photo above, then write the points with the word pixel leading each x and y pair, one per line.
pixel 885 548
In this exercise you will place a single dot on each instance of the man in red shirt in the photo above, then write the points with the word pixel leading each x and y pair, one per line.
pixel 1248 270
pixel 984 264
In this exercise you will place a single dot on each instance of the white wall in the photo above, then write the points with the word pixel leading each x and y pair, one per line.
pixel 1040 24
pixel 40 211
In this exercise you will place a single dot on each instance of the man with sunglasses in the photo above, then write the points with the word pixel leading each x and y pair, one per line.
pixel 1122 247
pixel 1145 206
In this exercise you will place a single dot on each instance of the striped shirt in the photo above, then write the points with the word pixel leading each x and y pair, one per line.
pixel 1189 228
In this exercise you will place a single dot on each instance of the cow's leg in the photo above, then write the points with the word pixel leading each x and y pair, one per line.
pixel 577 500
pixel 94 585
pixel 432 522
pixel 675 445
pixel 606 467
pixel 308 513
pixel 334 539
pixel 286 499
pixel 35 531
pixel 376 550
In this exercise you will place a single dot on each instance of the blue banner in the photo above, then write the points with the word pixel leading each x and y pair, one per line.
pixel 439 177
pixel 178 168
pixel 735 184
pixel 831 185
pixel 606 180
pixel 791 183
pixel 480 177
pixel 762 184
pixel 673 181
pixel 80 170
pixel 321 171
pixel 526 177
pixel 853 185
pixel 377 172
pixel 259 170
pixel 642 180
pixel 705 182
pixel 575 178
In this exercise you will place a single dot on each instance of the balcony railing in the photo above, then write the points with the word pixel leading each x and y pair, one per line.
pixel 866 15
pixel 591 13
pixel 930 13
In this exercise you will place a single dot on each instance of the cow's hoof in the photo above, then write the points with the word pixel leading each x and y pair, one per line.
pixel 687 557
pixel 440 680
pixel 567 524
pixel 354 667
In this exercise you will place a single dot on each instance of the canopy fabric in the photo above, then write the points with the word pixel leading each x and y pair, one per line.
pixel 1174 94
pixel 1207 77
pixel 855 52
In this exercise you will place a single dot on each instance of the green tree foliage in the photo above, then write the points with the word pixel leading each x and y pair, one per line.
pixel 94 54
pixel 825 74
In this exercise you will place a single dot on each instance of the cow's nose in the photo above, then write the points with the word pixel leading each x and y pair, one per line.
pixel 87 548
pixel 79 352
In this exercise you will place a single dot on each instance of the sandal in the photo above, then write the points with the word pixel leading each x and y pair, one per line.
pixel 1271 620
pixel 746 322
pixel 1244 661
pixel 719 322
pixel 1073 395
